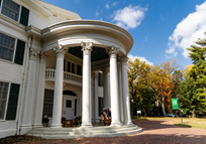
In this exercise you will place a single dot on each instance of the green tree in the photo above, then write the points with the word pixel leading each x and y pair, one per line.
pixel 187 96
pixel 198 71
pixel 137 78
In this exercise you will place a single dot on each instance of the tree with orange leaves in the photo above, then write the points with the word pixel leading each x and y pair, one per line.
pixel 162 82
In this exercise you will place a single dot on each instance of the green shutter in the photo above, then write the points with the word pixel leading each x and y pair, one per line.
pixel 19 57
pixel 13 101
pixel 24 16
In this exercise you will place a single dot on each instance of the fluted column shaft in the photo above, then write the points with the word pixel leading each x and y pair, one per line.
pixel 107 99
pixel 57 104
pixel 40 92
pixel 86 97
pixel 120 92
pixel 30 91
pixel 114 88
pixel 125 92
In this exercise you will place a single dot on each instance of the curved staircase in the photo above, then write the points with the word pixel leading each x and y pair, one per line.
pixel 69 133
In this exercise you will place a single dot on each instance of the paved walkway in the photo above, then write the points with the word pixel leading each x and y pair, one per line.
pixel 155 132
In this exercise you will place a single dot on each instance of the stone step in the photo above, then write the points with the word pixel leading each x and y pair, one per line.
pixel 82 131
pixel 91 132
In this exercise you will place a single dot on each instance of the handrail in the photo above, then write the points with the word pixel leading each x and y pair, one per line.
pixel 50 74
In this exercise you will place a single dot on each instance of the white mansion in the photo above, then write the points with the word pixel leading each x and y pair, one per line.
pixel 56 64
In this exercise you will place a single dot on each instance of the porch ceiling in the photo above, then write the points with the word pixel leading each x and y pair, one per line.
pixel 96 55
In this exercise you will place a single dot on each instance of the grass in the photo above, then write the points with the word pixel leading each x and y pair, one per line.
pixel 187 122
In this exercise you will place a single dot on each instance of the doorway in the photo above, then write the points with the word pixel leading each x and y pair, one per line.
pixel 69 107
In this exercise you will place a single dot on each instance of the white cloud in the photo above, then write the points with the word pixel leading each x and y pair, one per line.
pixel 187 31
pixel 114 3
pixel 97 14
pixel 129 17
pixel 107 6
pixel 140 58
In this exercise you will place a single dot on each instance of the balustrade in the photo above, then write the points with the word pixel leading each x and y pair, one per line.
pixel 50 75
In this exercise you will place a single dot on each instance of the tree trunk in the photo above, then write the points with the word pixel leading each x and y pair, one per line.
pixel 193 114
pixel 163 107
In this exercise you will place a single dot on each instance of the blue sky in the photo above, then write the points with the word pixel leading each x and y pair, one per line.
pixel 161 29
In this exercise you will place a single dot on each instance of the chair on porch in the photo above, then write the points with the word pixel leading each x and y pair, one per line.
pixel 105 120
pixel 78 120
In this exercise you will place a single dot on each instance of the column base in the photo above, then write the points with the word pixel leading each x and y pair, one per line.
pixel 88 125
pixel 128 123
pixel 56 126
pixel 116 124
pixel 26 126
pixel 37 125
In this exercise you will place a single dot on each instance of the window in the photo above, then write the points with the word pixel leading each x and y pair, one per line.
pixel 68 104
pixel 75 107
pixel 3 98
pixel 12 10
pixel 100 102
pixel 7 47
pixel 79 70
pixel 73 68
pixel 68 67
pixel 48 102
pixel 100 79
pixel 12 100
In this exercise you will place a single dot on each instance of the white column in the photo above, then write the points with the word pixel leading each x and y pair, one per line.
pixel 40 91
pixel 29 97
pixel 107 99
pixel 120 92
pixel 58 89
pixel 114 88
pixel 125 93
pixel 86 97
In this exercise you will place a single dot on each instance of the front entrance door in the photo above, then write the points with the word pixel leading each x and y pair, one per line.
pixel 68 107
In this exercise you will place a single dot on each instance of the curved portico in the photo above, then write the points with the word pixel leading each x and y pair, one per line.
pixel 100 46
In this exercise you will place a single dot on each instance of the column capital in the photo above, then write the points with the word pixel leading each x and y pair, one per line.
pixel 113 51
pixel 60 51
pixel 33 53
pixel 87 47
pixel 105 70
pixel 124 58
pixel 43 56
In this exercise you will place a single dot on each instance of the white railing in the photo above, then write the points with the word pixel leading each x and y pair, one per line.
pixel 50 74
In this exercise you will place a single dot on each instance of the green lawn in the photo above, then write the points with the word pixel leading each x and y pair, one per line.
pixel 188 122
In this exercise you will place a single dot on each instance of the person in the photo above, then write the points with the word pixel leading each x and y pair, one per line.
pixel 109 113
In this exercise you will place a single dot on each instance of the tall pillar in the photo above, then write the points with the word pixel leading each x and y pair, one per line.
pixel 40 91
pixel 58 89
pixel 107 99
pixel 114 87
pixel 30 91
pixel 86 97
pixel 120 92
pixel 125 92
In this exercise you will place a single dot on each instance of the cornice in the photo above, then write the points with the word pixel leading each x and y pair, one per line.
pixel 4 20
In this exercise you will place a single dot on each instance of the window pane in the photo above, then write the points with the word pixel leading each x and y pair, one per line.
pixel 72 68
pixel 68 67
pixel 79 70
pixel 68 104
pixel 11 9
pixel 3 97
pixel 48 102
pixel 6 47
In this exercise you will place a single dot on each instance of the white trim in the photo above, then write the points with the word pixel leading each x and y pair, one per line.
pixel 8 93
pixel 1 6
pixel 19 17
pixel 14 51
